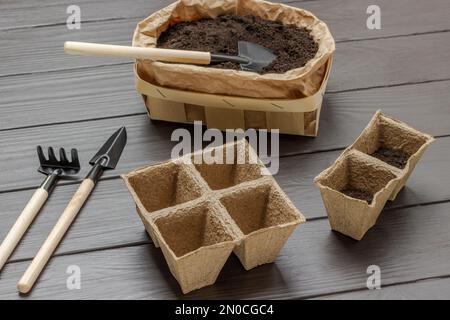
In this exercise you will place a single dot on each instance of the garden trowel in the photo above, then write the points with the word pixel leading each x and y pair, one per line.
pixel 251 57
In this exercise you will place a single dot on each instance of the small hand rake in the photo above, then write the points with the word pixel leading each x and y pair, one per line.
pixel 54 169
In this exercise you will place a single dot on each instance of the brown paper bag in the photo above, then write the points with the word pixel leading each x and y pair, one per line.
pixel 296 83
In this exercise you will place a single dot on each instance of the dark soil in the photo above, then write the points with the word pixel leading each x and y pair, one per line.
pixel 358 194
pixel 393 157
pixel 294 46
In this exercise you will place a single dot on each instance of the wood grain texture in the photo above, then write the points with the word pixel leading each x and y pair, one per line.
pixel 315 261
pixel 146 144
pixel 41 49
pixel 68 96
pixel 27 14
pixel 401 69
pixel 109 91
pixel 387 62
pixel 109 217
pixel 430 289
pixel 343 116
pixel 149 143
pixel 424 107
pixel 345 18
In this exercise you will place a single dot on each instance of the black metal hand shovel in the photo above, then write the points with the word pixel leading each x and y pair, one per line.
pixel 251 57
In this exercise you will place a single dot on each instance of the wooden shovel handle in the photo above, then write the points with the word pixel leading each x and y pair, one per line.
pixel 59 230
pixel 108 50
pixel 21 225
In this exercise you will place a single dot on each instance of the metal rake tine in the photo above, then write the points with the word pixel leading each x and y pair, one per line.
pixel 75 161
pixel 51 155
pixel 41 156
pixel 63 156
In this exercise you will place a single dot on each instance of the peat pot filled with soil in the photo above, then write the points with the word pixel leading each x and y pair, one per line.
pixel 286 94
pixel 370 172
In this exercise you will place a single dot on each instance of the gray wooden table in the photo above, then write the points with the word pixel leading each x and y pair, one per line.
pixel 49 98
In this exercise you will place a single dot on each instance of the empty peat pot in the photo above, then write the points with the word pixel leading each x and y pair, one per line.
pixel 196 242
pixel 264 219
pixel 199 212
pixel 162 186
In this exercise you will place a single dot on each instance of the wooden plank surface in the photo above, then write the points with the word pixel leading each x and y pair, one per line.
pixel 346 18
pixel 28 14
pixel 150 142
pixel 315 261
pixel 343 116
pixel 429 289
pixel 42 49
pixel 36 99
pixel 146 144
pixel 101 92
pixel 48 98
pixel 387 62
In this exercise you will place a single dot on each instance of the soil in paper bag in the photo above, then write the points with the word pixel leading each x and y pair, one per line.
pixel 293 46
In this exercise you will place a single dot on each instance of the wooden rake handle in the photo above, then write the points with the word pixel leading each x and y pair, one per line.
pixel 22 223
pixel 108 50
pixel 59 230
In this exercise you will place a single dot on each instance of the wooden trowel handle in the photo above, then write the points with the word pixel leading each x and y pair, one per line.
pixel 21 225
pixel 108 50
pixel 59 230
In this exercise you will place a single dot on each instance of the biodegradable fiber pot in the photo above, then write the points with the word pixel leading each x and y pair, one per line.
pixel 370 172
pixel 296 83
pixel 198 213
pixel 354 170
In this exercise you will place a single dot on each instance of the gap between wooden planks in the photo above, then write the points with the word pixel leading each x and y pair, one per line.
pixel 434 288
pixel 149 143
pixel 344 17
pixel 112 205
pixel 407 244
pixel 104 92
pixel 19 59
